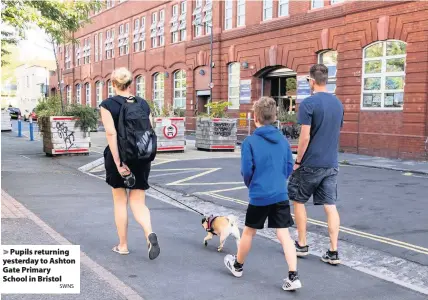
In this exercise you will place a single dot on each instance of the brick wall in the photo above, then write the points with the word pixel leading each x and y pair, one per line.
pixel 291 42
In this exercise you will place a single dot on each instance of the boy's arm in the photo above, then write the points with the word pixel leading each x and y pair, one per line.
pixel 247 166
pixel 288 166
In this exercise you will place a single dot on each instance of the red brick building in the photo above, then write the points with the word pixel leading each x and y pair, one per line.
pixel 377 53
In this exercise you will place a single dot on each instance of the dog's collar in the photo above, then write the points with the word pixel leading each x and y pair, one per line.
pixel 210 220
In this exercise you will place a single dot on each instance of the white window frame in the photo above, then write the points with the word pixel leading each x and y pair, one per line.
pixel 154 38
pixel 100 41
pixel 233 100
pixel 267 5
pixel 282 3
pixel 331 79
pixel 67 57
pixel 158 89
pixel 228 14
pixel 182 21
pixel 78 93
pixel 382 76
pixel 240 18
pixel 68 94
pixel 143 34
pixel 87 51
pixel 88 94
pixel 98 92
pixel 110 91
pixel 96 47
pixel 140 86
pixel 332 2
pixel 317 4
pixel 182 90
pixel 77 57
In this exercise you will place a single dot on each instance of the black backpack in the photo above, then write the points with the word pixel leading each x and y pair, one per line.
pixel 137 141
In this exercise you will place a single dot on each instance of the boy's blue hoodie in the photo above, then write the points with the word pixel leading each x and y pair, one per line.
pixel 266 164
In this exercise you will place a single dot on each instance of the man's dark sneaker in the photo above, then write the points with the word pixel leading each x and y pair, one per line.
pixel 331 257
pixel 154 248
pixel 301 250
pixel 234 267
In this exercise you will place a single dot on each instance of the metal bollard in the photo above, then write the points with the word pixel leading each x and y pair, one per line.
pixel 31 130
pixel 19 127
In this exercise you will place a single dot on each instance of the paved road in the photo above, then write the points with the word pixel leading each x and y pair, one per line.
pixel 79 207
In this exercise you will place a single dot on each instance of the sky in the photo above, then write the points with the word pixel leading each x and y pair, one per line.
pixel 35 46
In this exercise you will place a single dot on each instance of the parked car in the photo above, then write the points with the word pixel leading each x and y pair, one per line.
pixel 32 115
pixel 14 112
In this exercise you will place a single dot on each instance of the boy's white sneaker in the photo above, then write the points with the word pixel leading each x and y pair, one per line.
pixel 291 285
pixel 229 262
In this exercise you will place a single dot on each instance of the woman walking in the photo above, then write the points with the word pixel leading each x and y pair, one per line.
pixel 119 175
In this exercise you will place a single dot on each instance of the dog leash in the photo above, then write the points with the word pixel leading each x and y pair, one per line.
pixel 196 211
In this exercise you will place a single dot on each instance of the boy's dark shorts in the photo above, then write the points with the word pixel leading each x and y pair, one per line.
pixel 278 216
pixel 319 182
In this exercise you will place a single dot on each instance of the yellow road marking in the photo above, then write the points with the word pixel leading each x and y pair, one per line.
pixel 351 231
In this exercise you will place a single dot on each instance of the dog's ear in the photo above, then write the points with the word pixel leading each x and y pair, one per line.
pixel 204 219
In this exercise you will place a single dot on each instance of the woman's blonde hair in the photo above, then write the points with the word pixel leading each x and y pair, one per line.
pixel 121 78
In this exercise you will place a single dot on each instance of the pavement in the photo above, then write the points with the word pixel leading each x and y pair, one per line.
pixel 77 207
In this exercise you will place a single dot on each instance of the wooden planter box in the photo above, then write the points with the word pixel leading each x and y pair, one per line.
pixel 216 133
pixel 62 136
pixel 170 134
pixel 6 123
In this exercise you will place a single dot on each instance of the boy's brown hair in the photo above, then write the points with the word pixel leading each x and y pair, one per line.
pixel 265 110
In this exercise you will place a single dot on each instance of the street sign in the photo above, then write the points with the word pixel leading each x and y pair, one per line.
pixel 303 88
pixel 242 119
pixel 245 91
pixel 170 131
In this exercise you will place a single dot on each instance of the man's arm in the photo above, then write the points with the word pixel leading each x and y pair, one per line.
pixel 247 166
pixel 305 137
pixel 304 118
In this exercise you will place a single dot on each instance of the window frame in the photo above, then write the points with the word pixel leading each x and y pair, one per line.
pixel 98 92
pixel 140 85
pixel 280 4
pixel 78 93
pixel 88 94
pixel 110 91
pixel 68 94
pixel 180 90
pixel 317 1
pixel 228 7
pixel 266 7
pixel 158 91
pixel 229 86
pixel 240 16
pixel 331 79
pixel 383 74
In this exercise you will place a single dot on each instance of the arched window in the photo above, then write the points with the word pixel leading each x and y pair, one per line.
pixel 384 75
pixel 180 89
pixel 158 89
pixel 329 59
pixel 110 92
pixel 233 90
pixel 78 94
pixel 68 94
pixel 88 94
pixel 98 93
pixel 140 87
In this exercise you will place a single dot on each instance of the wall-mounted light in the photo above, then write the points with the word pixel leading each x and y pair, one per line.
pixel 202 72
pixel 245 65
pixel 166 74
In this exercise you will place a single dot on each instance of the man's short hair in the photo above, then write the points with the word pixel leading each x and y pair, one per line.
pixel 265 110
pixel 319 73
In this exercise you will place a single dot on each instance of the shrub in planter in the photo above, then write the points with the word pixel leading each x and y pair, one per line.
pixel 215 131
pixel 68 131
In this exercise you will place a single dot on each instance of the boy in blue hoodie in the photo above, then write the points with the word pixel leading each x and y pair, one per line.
pixel 266 164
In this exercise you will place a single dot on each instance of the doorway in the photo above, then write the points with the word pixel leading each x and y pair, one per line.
pixel 202 99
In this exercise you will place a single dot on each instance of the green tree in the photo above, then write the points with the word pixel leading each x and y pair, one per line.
pixel 59 19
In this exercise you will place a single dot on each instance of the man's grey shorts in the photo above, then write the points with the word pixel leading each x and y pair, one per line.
pixel 319 182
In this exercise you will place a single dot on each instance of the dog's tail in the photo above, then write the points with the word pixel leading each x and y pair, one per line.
pixel 233 220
